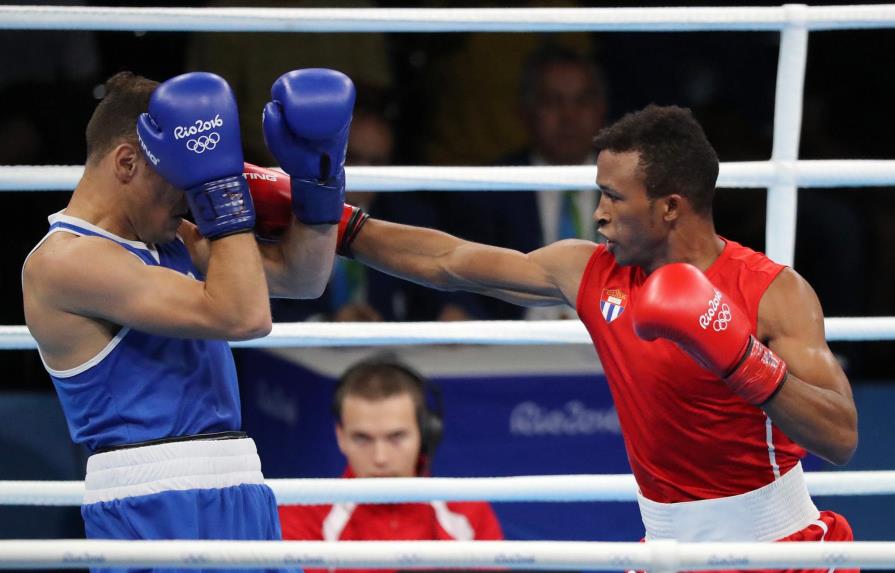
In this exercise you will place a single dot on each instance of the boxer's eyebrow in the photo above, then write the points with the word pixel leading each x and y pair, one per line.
pixel 607 190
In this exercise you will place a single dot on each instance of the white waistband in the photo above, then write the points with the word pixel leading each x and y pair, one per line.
pixel 200 464
pixel 766 514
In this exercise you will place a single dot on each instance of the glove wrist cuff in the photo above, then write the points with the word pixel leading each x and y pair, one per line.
pixel 759 374
pixel 318 202
pixel 222 207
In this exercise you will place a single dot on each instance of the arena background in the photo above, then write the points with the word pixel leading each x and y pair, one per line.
pixel 508 412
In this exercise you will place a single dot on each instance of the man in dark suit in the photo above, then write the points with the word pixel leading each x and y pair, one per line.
pixel 562 102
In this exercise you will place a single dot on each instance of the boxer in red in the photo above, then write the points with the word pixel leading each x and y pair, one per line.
pixel 715 355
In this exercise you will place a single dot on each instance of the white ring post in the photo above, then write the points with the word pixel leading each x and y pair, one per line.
pixel 782 200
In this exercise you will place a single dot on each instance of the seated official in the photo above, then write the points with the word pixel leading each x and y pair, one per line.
pixel 387 427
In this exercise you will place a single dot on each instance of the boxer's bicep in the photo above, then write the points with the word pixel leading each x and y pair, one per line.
pixel 791 320
pixel 545 277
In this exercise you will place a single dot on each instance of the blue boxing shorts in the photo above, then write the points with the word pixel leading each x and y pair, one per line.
pixel 201 489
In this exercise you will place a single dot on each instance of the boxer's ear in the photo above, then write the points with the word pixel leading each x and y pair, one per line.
pixel 124 159
pixel 671 206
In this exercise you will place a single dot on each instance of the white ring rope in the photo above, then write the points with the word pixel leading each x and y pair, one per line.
pixel 443 20
pixel 315 334
pixel 742 174
pixel 657 556
pixel 565 488
pixel 488 332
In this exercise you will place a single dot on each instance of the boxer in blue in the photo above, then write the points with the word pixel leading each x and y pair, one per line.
pixel 131 305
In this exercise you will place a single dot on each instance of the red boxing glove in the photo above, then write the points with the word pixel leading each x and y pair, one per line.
pixel 679 303
pixel 353 218
pixel 272 196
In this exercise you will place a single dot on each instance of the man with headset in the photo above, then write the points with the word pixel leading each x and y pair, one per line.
pixel 388 424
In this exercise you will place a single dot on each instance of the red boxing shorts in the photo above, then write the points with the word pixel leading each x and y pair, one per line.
pixel 829 527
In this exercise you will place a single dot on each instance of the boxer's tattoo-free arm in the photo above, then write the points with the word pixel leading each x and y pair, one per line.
pixel 548 276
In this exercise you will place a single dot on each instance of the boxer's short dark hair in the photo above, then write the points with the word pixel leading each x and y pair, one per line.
pixel 675 155
pixel 114 121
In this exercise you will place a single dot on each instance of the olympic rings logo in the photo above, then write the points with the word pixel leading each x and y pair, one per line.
pixel 724 317
pixel 837 558
pixel 204 143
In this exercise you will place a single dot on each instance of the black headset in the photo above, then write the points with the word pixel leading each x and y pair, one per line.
pixel 430 417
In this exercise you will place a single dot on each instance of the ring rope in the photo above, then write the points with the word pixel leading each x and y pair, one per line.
pixel 445 20
pixel 481 332
pixel 565 488
pixel 658 556
pixel 741 174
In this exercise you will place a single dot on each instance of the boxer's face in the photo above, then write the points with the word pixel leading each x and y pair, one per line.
pixel 154 207
pixel 163 211
pixel 380 438
pixel 625 216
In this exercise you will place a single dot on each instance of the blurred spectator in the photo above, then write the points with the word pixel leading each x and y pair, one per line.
pixel 562 103
pixel 471 82
pixel 388 424
pixel 251 62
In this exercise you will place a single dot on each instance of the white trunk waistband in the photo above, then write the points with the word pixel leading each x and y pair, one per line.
pixel 176 466
pixel 766 514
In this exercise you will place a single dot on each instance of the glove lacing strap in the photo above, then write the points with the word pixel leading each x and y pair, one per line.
pixel 222 207
pixel 758 375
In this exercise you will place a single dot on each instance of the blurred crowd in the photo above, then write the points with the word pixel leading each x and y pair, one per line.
pixel 491 99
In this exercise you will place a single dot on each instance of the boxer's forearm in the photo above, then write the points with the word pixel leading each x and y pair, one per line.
pixel 299 265
pixel 413 253
pixel 819 419
pixel 438 260
pixel 236 288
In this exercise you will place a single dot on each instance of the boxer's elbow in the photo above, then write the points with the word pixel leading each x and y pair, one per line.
pixel 842 440
pixel 842 450
pixel 307 287
pixel 314 290
pixel 249 325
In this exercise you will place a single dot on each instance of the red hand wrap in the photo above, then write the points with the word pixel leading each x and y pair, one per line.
pixel 353 218
pixel 759 374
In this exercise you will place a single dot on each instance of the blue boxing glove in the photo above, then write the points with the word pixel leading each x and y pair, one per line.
pixel 191 138
pixel 306 128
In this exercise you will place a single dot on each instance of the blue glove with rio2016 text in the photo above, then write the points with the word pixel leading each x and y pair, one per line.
pixel 190 136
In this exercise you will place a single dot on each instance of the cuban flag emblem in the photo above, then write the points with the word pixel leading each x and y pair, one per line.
pixel 612 303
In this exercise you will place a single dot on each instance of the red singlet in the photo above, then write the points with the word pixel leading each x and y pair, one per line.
pixel 688 437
